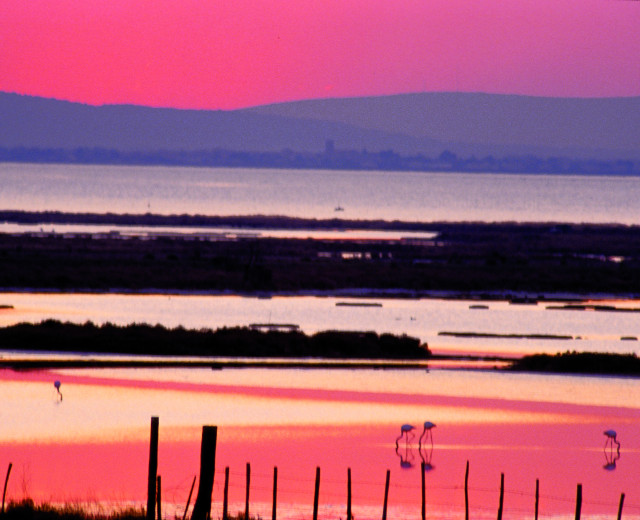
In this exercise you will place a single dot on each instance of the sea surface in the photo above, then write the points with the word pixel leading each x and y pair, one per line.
pixel 90 444
pixel 410 196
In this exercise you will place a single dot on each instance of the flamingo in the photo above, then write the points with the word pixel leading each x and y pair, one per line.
pixel 428 426
pixel 57 385
pixel 406 430
pixel 611 438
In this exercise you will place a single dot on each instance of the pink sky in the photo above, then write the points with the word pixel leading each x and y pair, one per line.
pixel 236 53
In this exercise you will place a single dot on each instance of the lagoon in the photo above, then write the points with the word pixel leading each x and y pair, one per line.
pixel 411 196
pixel 93 446
pixel 424 318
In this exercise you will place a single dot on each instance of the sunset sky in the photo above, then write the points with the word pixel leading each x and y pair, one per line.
pixel 223 54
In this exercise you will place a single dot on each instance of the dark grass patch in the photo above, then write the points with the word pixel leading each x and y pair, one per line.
pixel 28 510
pixel 598 363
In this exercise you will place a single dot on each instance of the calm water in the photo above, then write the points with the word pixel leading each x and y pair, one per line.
pixel 424 318
pixel 526 426
pixel 316 194
pixel 93 446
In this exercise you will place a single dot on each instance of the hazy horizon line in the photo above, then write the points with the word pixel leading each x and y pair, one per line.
pixel 311 99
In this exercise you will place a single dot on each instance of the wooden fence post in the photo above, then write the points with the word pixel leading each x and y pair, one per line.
pixel 620 506
pixel 225 501
pixel 246 498
pixel 202 507
pixel 6 481
pixel 466 493
pixel 153 469
pixel 537 498
pixel 186 509
pixel 275 492
pixel 386 496
pixel 349 515
pixel 501 496
pixel 159 496
pixel 579 502
pixel 316 494
pixel 424 509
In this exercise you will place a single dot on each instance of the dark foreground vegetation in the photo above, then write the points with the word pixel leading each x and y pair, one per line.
pixel 139 339
pixel 580 363
pixel 464 257
pixel 28 510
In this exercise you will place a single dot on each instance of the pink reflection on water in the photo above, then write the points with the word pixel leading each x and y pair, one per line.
pixel 561 444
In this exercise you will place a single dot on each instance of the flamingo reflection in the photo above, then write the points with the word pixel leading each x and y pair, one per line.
pixel 610 455
pixel 406 456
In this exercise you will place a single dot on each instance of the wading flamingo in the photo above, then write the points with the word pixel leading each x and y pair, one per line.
pixel 611 438
pixel 406 430
pixel 57 385
pixel 428 426
pixel 610 457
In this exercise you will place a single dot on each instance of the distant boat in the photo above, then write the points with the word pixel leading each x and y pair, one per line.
pixel 338 208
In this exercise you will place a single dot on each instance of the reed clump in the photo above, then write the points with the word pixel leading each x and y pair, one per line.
pixel 27 509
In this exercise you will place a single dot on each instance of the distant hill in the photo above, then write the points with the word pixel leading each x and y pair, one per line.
pixel 605 128
pixel 480 124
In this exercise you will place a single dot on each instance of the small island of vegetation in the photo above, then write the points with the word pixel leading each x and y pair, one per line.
pixel 597 363
pixel 234 342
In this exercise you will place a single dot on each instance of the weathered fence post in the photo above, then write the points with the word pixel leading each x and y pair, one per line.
pixel 6 481
pixel 537 498
pixel 316 494
pixel 202 507
pixel 501 496
pixel 349 515
pixel 153 469
pixel 246 498
pixel 620 506
pixel 159 496
pixel 225 500
pixel 386 496
pixel 466 493
pixel 275 492
pixel 186 509
pixel 424 508
pixel 579 502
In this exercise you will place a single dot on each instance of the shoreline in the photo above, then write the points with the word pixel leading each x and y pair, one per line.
pixel 513 297
pixel 284 222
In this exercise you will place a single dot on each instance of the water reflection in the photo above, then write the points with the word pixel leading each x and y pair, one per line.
pixel 600 331
pixel 406 456
pixel 426 454
pixel 298 420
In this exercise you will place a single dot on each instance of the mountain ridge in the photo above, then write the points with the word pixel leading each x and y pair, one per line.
pixel 420 123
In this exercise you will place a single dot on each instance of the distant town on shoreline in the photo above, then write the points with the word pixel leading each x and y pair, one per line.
pixel 330 158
